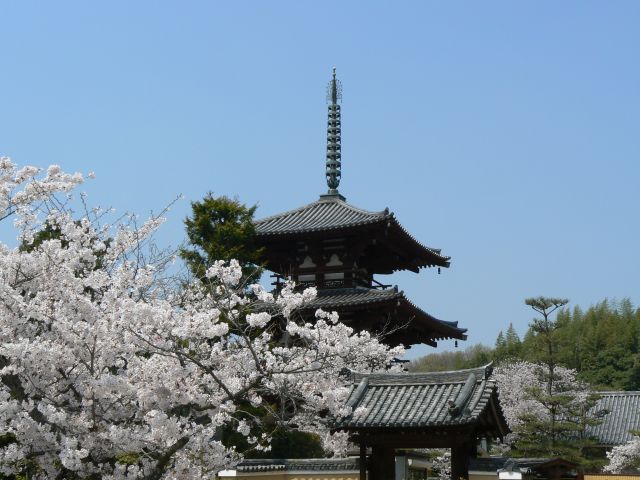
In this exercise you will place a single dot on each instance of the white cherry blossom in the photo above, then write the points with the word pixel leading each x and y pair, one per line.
pixel 106 372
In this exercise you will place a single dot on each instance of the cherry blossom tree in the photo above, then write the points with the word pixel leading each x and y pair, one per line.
pixel 107 373
pixel 441 463
pixel 546 406
pixel 624 457
pixel 545 422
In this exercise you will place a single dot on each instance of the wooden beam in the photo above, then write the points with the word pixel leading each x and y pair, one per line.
pixel 428 438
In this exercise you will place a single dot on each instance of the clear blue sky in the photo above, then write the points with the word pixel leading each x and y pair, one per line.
pixel 505 133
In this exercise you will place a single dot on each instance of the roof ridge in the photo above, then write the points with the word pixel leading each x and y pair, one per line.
pixel 382 213
pixel 386 211
pixel 475 370
pixel 424 405
pixel 617 392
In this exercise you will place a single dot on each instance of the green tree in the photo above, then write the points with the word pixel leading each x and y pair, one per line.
pixel 544 329
pixel 221 228
pixel 471 357
pixel 508 345
pixel 560 431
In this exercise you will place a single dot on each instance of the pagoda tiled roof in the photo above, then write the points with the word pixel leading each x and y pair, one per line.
pixel 348 297
pixel 336 299
pixel 328 213
pixel 424 400
pixel 619 413
pixel 331 213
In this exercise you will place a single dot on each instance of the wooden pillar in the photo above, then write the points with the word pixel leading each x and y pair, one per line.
pixel 383 463
pixel 460 455
pixel 363 461
pixel 555 473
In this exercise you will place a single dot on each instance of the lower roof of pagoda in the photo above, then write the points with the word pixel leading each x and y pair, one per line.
pixel 331 216
pixel 393 315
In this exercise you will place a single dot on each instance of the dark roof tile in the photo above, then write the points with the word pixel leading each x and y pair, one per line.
pixel 419 400
pixel 349 464
pixel 321 215
pixel 331 213
pixel 620 413
pixel 336 299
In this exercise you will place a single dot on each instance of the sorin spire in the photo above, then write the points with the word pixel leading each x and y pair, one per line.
pixel 333 173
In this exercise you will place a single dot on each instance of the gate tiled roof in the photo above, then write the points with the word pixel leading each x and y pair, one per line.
pixel 424 400
pixel 349 464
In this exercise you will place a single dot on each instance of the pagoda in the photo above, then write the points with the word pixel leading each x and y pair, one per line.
pixel 339 248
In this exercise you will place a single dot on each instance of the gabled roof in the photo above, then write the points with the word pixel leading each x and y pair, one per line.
pixel 355 298
pixel 425 400
pixel 332 214
pixel 619 413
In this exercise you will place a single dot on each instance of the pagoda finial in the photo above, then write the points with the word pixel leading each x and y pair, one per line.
pixel 333 173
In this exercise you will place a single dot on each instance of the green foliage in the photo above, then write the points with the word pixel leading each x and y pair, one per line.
pixel 53 232
pixel 128 458
pixel 7 439
pixel 543 333
pixel 28 469
pixel 470 357
pixel 221 228
pixel 602 344
pixel 49 232
pixel 561 432
pixel 545 305
pixel 293 444
pixel 285 442
pixel 508 346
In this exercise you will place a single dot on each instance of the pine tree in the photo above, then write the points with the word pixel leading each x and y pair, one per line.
pixel 500 351
pixel 564 402
pixel 221 228
pixel 513 343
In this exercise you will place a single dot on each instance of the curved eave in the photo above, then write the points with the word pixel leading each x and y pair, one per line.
pixel 406 402
pixel 444 330
pixel 423 256
pixel 335 216
pixel 431 328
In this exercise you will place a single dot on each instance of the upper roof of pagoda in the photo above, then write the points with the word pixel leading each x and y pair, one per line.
pixel 332 215
pixel 329 213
